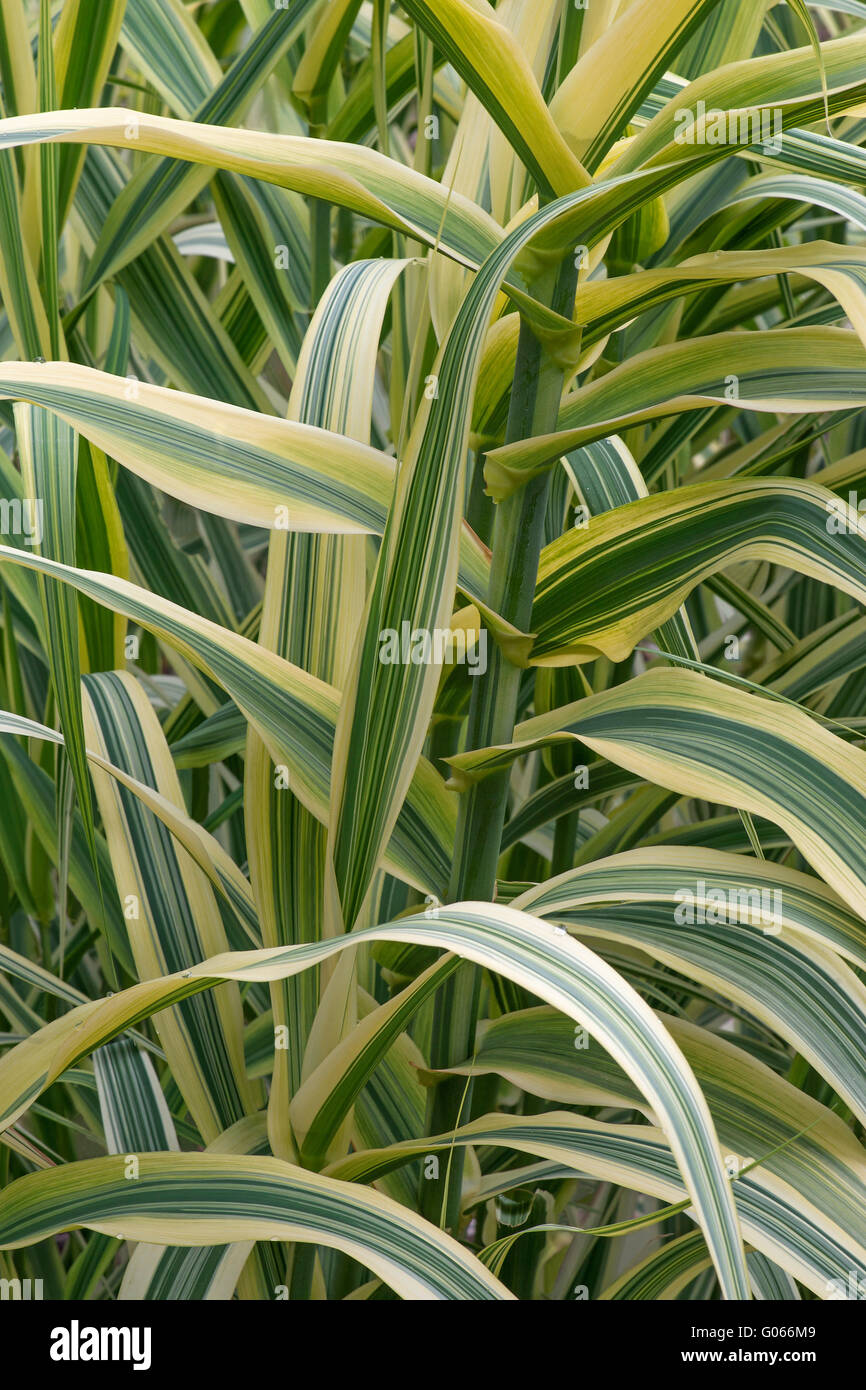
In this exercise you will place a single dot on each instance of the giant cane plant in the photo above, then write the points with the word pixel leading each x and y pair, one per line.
pixel 432 669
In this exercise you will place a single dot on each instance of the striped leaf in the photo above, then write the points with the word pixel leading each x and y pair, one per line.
pixel 580 611
pixel 696 736
pixel 200 1199
pixel 354 176
pixel 294 713
pixel 786 370
pixel 517 946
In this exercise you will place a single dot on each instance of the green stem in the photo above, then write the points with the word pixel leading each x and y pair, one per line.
pixel 303 1264
pixel 320 236
pixel 564 842
pixel 518 531
pixel 479 507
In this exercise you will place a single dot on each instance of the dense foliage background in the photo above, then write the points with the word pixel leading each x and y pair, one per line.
pixel 431 774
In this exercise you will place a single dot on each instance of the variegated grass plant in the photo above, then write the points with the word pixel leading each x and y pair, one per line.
pixel 342 961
